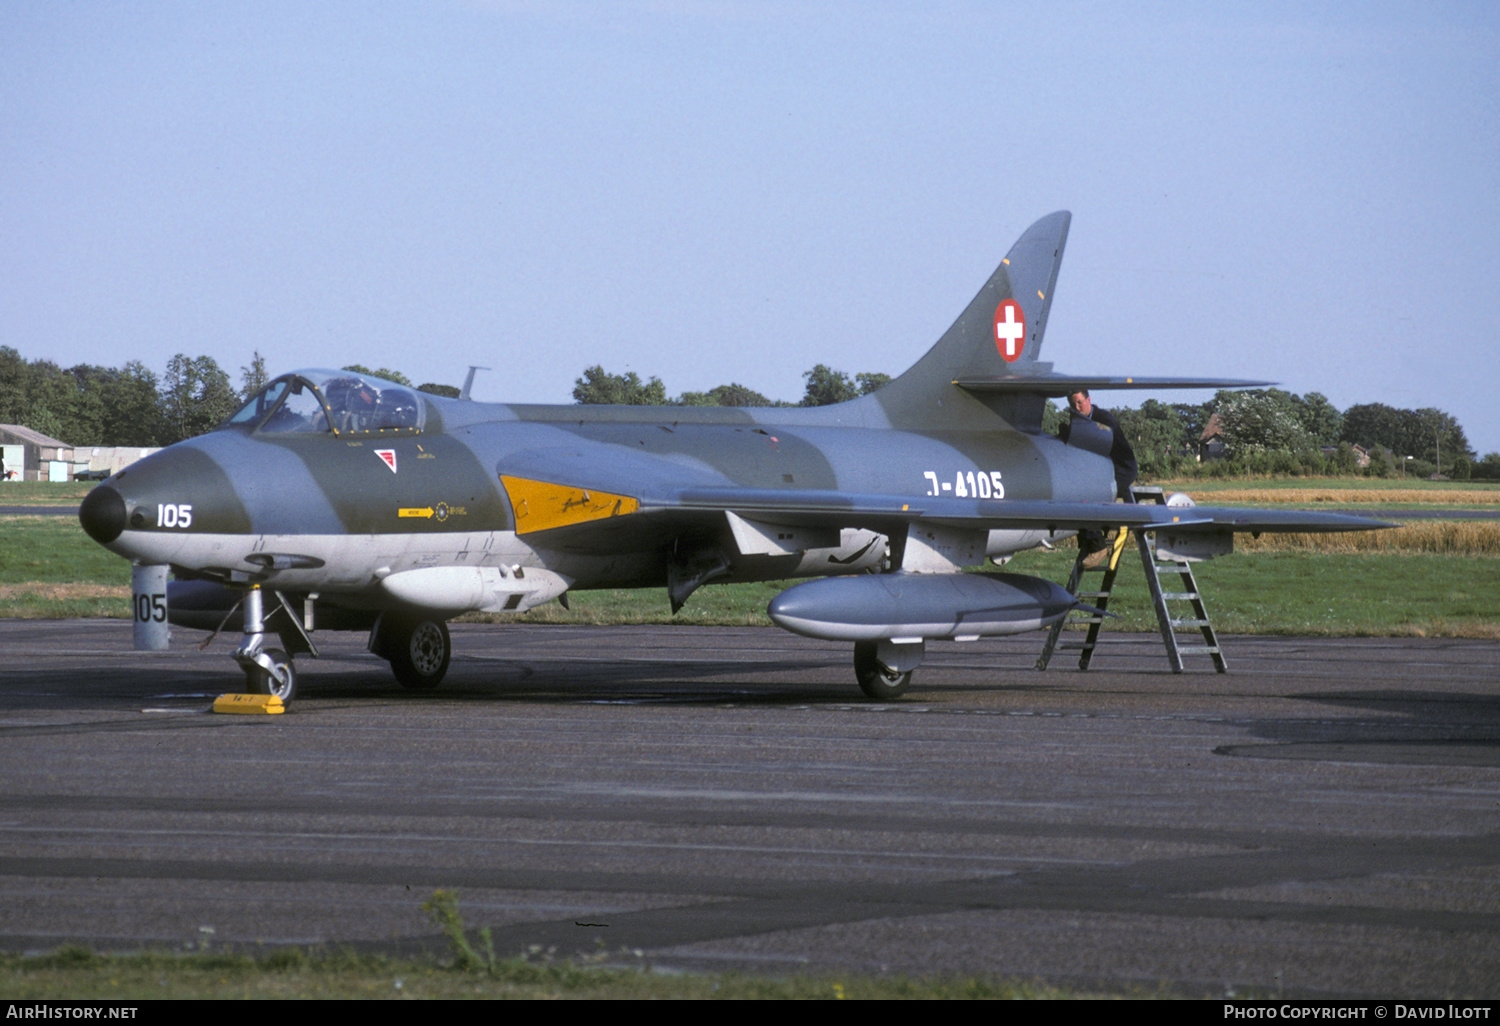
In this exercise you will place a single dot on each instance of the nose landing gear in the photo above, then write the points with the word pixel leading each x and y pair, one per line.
pixel 268 671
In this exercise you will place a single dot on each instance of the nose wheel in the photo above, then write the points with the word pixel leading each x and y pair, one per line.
pixel 272 673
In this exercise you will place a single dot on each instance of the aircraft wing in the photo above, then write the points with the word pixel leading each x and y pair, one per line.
pixel 597 521
pixel 639 500
pixel 873 510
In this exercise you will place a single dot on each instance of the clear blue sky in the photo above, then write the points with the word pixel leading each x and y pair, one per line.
pixel 736 190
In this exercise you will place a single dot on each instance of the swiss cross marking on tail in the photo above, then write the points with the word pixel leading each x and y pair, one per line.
pixel 1010 330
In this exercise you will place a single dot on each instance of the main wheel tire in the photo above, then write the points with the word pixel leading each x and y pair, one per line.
pixel 875 681
pixel 418 648
pixel 259 681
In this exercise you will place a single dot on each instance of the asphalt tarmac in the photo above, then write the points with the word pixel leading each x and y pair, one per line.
pixel 1323 820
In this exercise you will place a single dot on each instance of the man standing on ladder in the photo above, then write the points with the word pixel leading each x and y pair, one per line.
pixel 1119 451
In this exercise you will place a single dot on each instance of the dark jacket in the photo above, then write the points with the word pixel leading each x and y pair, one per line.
pixel 1119 451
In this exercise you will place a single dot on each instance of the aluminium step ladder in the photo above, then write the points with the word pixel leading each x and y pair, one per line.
pixel 1185 589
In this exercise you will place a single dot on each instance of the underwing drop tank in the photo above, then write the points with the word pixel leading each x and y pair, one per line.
pixel 911 607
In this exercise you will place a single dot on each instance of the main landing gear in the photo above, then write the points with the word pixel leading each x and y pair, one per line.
pixel 417 646
pixel 884 669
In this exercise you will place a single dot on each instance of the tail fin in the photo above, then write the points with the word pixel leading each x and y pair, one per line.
pixel 999 335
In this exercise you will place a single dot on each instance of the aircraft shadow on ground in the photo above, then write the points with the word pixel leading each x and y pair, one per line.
pixel 667 681
pixel 1404 728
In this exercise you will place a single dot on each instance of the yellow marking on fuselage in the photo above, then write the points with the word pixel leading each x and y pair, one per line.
pixel 442 511
pixel 541 505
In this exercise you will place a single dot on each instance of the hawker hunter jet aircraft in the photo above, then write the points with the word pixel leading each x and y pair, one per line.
pixel 336 500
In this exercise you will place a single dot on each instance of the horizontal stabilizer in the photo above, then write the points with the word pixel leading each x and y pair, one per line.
pixel 1055 386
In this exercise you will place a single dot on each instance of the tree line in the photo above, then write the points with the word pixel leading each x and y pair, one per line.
pixel 1263 431
pixel 824 386
pixel 130 405
pixel 1270 431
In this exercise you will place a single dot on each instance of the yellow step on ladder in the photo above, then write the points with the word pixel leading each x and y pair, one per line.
pixel 1186 590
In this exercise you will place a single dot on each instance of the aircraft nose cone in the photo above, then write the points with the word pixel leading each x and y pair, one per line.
pixel 102 514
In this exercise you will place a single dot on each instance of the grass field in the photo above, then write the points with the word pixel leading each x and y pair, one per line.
pixel 76 974
pixel 1333 493
pixel 1423 578
pixel 43 493
pixel 471 970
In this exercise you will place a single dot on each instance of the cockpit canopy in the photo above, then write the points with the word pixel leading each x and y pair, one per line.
pixel 340 402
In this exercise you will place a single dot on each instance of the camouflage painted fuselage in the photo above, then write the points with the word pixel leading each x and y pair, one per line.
pixel 336 514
